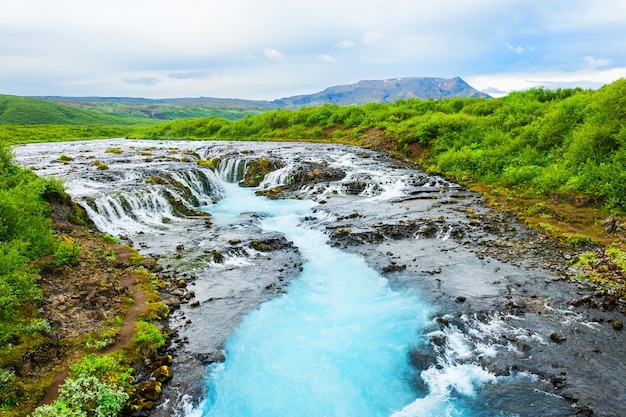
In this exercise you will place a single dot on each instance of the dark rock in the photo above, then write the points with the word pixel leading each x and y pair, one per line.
pixel 618 325
pixel 217 256
pixel 422 360
pixel 394 267
pixel 576 302
pixel 313 173
pixel 461 299
pixel 268 245
pixel 557 338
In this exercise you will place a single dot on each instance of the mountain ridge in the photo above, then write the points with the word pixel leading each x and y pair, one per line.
pixel 361 92
pixel 385 91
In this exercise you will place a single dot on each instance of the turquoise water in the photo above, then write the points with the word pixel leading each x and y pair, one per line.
pixel 335 344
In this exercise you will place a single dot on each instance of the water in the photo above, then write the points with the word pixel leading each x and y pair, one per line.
pixel 336 344
pixel 341 339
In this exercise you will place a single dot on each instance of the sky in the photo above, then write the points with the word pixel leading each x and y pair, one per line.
pixel 270 49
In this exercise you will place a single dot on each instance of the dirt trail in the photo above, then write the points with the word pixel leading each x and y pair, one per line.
pixel 122 339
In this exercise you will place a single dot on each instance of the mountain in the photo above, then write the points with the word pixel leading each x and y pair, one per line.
pixel 385 91
pixel 380 91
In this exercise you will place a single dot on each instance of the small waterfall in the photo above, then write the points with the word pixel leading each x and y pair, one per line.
pixel 232 169
pixel 128 211
pixel 165 198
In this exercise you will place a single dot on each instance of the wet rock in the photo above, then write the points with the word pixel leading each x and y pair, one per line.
pixel 557 337
pixel 461 299
pixel 576 302
pixel 354 187
pixel 313 173
pixel 618 325
pixel 211 357
pixel 217 256
pixel 271 244
pixel 257 170
pixel 394 267
pixel 422 360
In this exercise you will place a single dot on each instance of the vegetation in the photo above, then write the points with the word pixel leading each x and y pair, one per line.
pixel 15 134
pixel 162 111
pixel 540 142
pixel 25 235
pixel 29 111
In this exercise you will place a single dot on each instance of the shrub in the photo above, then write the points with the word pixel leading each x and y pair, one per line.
pixel 148 338
pixel 67 253
pixel 106 368
pixel 85 396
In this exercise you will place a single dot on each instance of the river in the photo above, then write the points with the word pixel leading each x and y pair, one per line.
pixel 369 288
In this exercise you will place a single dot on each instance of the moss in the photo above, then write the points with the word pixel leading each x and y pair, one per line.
pixel 272 193
pixel 206 163
pixel 257 170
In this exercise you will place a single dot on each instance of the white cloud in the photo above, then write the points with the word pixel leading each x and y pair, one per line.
pixel 516 49
pixel 499 84
pixel 328 58
pixel 345 44
pixel 142 80
pixel 597 63
pixel 373 38
pixel 273 54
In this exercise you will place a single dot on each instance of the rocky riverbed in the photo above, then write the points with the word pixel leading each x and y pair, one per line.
pixel 510 294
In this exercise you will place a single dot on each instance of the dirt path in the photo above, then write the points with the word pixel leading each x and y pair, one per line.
pixel 122 339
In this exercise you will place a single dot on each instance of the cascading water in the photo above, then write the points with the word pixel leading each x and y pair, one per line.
pixel 335 344
pixel 372 325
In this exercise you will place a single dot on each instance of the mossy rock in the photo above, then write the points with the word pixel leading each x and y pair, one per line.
pixel 163 374
pixel 257 170
pixel 273 193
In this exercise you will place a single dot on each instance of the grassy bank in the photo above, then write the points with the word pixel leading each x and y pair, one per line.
pixel 50 263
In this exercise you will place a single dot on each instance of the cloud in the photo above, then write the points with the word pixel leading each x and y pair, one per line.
pixel 273 54
pixel 373 38
pixel 188 75
pixel 516 49
pixel 159 48
pixel 328 58
pixel 142 81
pixel 597 63
pixel 345 44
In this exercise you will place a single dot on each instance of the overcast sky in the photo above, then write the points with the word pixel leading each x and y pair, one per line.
pixel 269 49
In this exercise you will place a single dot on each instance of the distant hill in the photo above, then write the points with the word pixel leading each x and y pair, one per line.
pixel 29 111
pixel 385 91
pixel 380 91
pixel 166 109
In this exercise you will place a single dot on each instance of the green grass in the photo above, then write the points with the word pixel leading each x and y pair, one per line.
pixel 29 111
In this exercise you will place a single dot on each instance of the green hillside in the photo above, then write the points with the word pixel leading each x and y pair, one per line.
pixel 27 111
pixel 568 142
